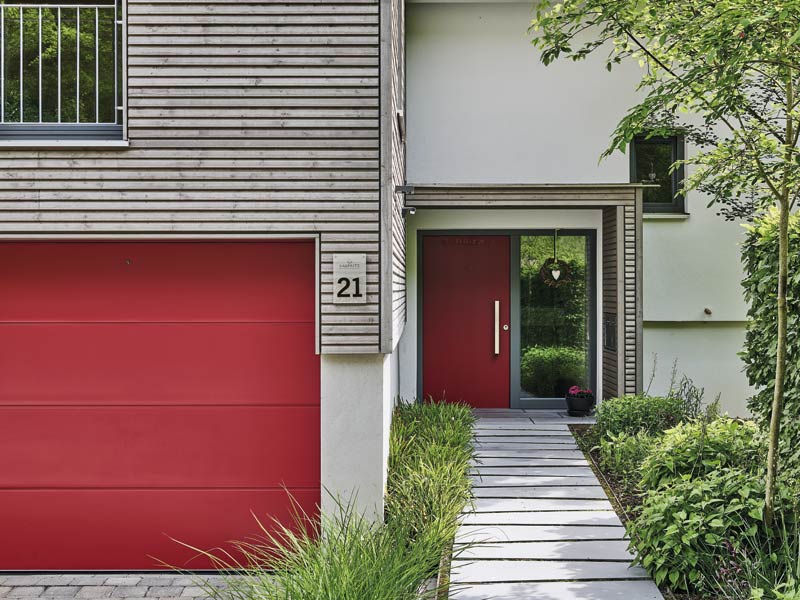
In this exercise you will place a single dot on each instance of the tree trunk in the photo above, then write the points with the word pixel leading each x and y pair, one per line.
pixel 780 364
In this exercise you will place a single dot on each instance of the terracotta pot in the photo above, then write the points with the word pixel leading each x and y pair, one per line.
pixel 579 406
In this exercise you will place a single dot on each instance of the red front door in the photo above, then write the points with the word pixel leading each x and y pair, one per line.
pixel 465 350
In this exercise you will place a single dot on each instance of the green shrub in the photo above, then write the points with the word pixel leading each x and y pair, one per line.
pixel 640 413
pixel 680 530
pixel 759 255
pixel 696 448
pixel 549 371
pixel 622 455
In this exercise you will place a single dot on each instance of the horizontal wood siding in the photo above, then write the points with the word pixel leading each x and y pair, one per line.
pixel 610 366
pixel 243 118
pixel 528 196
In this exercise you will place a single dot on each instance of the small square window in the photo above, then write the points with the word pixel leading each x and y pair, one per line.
pixel 651 159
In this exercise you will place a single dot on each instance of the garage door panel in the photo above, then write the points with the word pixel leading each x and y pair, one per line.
pixel 155 363
pixel 125 529
pixel 176 446
pixel 157 281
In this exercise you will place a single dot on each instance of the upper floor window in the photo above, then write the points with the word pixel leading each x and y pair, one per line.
pixel 651 161
pixel 60 71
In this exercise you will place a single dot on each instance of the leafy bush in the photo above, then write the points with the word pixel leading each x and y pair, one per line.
pixel 759 255
pixel 549 371
pixel 639 413
pixel 679 531
pixel 622 455
pixel 696 448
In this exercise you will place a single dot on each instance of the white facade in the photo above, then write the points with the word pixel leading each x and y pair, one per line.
pixel 481 108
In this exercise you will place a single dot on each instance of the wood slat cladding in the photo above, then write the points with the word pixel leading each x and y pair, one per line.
pixel 621 368
pixel 256 117
pixel 394 260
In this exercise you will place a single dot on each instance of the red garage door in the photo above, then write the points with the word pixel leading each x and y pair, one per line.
pixel 151 391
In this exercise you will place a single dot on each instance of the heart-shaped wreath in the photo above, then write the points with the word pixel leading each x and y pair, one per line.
pixel 555 272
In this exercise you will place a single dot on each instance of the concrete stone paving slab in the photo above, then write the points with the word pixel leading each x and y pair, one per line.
pixel 604 550
pixel 519 446
pixel 129 591
pixel 585 492
pixel 25 591
pixel 562 590
pixel 570 517
pixel 523 505
pixel 4 590
pixel 60 591
pixel 91 592
pixel 126 580
pixel 468 534
pixel 479 481
pixel 524 453
pixel 510 571
pixel 530 462
pixel 548 471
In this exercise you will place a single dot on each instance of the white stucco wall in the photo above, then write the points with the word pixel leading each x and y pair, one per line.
pixel 483 109
pixel 358 393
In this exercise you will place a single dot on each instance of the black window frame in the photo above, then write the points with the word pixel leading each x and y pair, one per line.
pixel 678 204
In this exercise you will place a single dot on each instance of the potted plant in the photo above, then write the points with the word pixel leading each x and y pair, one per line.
pixel 580 401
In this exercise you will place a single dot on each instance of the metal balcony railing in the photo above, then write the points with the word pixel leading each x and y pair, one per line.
pixel 60 68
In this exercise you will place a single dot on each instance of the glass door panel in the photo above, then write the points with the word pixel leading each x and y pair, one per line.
pixel 556 314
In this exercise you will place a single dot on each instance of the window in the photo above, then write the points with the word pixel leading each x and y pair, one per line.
pixel 651 160
pixel 60 71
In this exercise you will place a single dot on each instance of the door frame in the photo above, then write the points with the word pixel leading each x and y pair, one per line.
pixel 515 400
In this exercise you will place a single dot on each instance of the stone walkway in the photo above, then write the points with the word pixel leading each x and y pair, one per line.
pixel 101 586
pixel 542 524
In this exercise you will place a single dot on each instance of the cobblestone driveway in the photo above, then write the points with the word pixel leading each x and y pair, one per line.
pixel 101 586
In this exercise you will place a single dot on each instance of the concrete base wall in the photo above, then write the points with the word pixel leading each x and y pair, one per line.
pixel 706 352
pixel 358 394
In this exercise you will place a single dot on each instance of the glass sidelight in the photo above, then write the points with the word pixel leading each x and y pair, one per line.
pixel 556 315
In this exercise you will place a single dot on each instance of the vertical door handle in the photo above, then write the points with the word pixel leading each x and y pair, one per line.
pixel 496 327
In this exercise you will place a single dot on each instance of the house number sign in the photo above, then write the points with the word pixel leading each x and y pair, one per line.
pixel 349 278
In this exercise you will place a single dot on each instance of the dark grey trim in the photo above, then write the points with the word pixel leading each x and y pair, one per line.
pixel 515 400
pixel 56 132
pixel 678 144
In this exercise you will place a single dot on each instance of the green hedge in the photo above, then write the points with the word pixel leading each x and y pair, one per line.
pixel 760 288
pixel 549 371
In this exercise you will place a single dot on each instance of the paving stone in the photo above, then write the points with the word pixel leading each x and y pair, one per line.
pixel 25 591
pixel 530 462
pixel 194 591
pixel 533 471
pixel 58 580
pixel 23 580
pixel 89 580
pixel 524 505
pixel 165 592
pixel 595 492
pixel 4 589
pixel 509 571
pixel 572 517
pixel 479 481
pixel 90 592
pixel 126 580
pixel 129 591
pixel 537 533
pixel 61 591
pixel 565 453
pixel 491 445
pixel 604 550
pixel 562 590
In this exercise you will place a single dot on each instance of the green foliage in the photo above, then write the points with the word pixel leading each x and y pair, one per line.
pixel 553 316
pixel 622 455
pixel 761 280
pixel 549 371
pixel 679 531
pixel 349 557
pixel 696 448
pixel 428 482
pixel 638 413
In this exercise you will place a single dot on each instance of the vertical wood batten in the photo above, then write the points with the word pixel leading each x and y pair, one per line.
pixel 243 119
